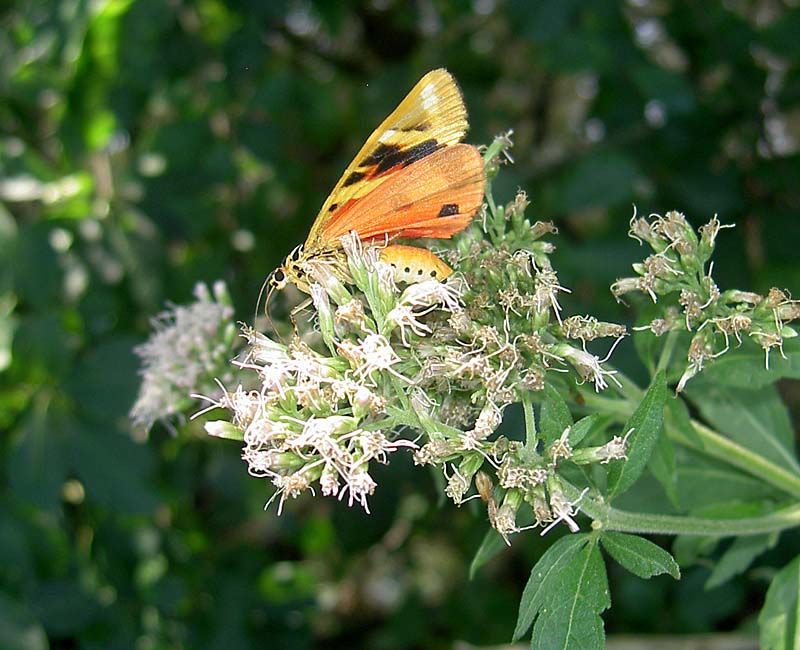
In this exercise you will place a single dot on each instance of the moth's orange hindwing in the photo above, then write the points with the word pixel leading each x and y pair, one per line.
pixel 431 118
pixel 413 264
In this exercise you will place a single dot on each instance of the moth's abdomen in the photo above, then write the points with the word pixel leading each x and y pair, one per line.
pixel 413 264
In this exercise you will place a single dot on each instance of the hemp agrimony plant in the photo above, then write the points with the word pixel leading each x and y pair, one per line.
pixel 430 368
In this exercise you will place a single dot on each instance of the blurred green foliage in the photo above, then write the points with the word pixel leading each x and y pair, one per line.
pixel 150 145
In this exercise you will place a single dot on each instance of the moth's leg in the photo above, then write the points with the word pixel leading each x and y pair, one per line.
pixel 296 310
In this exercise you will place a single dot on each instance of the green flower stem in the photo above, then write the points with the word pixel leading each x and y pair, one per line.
pixel 670 341
pixel 530 422
pixel 608 518
pixel 708 441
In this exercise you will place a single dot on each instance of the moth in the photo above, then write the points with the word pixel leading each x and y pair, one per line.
pixel 413 178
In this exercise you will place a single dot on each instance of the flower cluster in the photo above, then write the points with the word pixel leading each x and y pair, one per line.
pixel 190 347
pixel 438 361
pixel 678 275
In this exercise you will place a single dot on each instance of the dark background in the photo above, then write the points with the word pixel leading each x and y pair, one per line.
pixel 150 145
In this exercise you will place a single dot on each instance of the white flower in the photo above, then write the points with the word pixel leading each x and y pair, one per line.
pixel 376 353
pixel 403 316
pixel 588 365
pixel 562 509
pixel 359 485
pixel 615 449
pixel 189 346
pixel 432 292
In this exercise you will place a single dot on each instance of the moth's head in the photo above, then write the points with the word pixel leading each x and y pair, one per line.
pixel 277 279
pixel 288 271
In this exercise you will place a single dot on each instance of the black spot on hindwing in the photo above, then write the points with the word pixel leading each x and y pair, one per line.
pixel 448 209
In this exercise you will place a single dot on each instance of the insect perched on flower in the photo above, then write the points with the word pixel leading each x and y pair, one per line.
pixel 412 178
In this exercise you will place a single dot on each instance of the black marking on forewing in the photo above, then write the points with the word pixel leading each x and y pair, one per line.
pixel 448 210
pixel 332 207
pixel 404 157
pixel 379 153
pixel 353 178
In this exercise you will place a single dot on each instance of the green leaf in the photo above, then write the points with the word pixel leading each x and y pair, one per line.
pixel 583 427
pixel 564 596
pixel 779 620
pixel 739 555
pixel 579 593
pixel 554 417
pixel 696 473
pixel 543 577
pixel 677 416
pixel 688 549
pixel 745 367
pixel 639 555
pixel 662 465
pixel 756 419
pixel 491 545
pixel 646 423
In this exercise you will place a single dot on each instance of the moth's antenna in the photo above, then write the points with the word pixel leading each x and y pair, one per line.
pixel 267 281
pixel 272 287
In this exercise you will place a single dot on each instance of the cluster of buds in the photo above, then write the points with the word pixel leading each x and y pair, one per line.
pixel 437 361
pixel 678 277
pixel 524 476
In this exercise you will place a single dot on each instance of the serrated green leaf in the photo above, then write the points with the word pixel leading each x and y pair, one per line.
pixel 554 417
pixel 646 423
pixel 738 556
pixel 756 419
pixel 579 593
pixel 543 576
pixel 779 620
pixel 639 556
